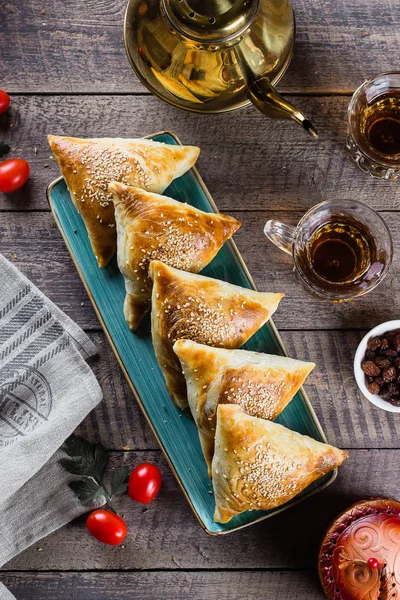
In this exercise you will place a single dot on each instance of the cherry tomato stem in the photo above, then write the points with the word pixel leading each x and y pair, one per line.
pixel 107 527
pixel 144 483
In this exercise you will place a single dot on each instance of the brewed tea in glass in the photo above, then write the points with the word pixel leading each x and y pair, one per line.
pixel 341 249
pixel 373 137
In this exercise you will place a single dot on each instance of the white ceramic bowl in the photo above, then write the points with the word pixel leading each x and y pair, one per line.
pixel 359 373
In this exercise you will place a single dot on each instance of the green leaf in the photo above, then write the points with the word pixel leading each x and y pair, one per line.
pixel 119 480
pixel 87 490
pixel 86 459
pixel 4 148
pixel 101 492
pixel 88 462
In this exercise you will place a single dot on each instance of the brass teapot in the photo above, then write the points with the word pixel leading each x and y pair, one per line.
pixel 212 56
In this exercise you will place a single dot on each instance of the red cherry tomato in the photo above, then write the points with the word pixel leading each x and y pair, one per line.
pixel 13 174
pixel 144 483
pixel 107 527
pixel 4 101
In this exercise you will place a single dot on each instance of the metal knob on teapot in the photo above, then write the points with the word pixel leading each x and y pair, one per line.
pixel 211 56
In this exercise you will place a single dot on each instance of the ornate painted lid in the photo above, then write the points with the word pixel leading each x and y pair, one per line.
pixel 360 555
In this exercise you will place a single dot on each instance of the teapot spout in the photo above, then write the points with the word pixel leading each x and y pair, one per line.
pixel 265 97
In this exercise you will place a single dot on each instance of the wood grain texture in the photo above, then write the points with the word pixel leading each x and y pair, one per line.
pixel 166 535
pixel 247 161
pixel 256 169
pixel 347 418
pixel 41 254
pixel 78 46
pixel 161 585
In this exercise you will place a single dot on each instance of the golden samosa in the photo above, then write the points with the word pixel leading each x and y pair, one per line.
pixel 151 226
pixel 202 309
pixel 259 465
pixel 261 384
pixel 88 166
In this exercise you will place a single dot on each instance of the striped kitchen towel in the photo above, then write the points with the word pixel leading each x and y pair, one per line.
pixel 46 389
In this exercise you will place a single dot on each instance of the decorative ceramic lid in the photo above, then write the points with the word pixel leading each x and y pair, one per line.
pixel 360 555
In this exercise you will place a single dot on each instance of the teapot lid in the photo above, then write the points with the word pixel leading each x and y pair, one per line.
pixel 210 20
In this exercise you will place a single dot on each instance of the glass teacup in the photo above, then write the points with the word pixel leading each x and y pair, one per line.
pixel 341 249
pixel 373 127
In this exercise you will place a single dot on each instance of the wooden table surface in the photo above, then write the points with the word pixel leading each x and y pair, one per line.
pixel 63 62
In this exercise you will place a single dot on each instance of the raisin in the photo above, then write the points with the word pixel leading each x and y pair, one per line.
pixel 370 355
pixel 389 374
pixel 379 380
pixel 370 368
pixel 396 362
pixel 394 388
pixel 382 362
pixel 374 388
pixel 384 344
pixel 374 343
pixel 384 392
pixel 396 343
pixel 394 400
pixel 390 353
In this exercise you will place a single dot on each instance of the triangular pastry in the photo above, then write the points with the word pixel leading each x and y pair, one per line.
pixel 205 310
pixel 88 166
pixel 259 465
pixel 262 384
pixel 149 227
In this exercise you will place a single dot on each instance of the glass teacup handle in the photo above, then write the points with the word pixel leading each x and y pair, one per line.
pixel 280 234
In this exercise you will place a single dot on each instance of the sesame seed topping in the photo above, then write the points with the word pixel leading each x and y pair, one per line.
pixel 260 394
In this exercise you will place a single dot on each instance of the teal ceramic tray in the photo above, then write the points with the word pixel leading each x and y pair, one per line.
pixel 176 433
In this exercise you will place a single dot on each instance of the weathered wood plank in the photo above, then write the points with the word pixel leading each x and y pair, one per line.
pixel 347 418
pixel 159 585
pixel 34 244
pixel 246 161
pixel 78 46
pixel 166 535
